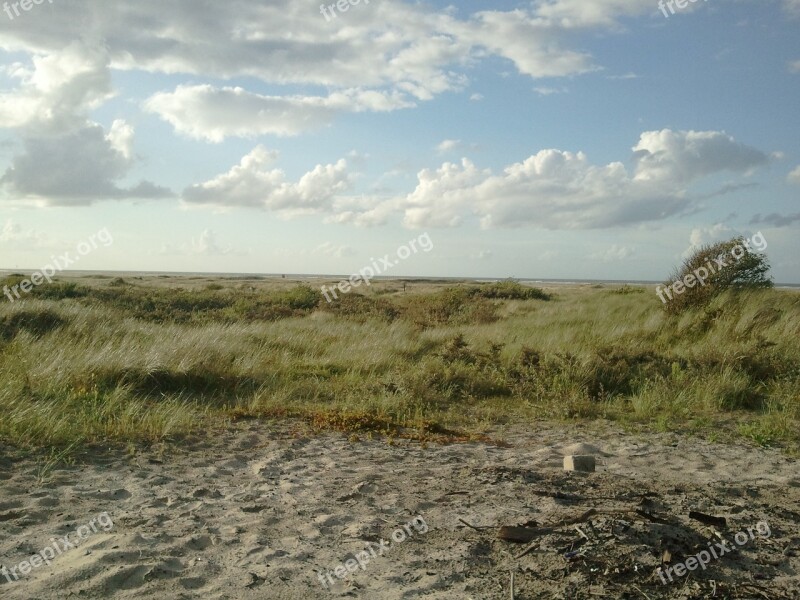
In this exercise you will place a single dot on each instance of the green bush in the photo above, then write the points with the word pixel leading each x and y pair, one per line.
pixel 35 322
pixel 508 289
pixel 748 272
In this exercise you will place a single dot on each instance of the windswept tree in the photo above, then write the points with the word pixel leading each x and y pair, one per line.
pixel 714 268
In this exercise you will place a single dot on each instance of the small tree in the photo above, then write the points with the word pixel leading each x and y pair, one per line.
pixel 711 270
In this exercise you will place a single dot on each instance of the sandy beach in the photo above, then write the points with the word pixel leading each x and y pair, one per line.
pixel 263 510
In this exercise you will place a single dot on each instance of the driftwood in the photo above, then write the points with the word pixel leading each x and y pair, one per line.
pixel 523 535
pixel 720 522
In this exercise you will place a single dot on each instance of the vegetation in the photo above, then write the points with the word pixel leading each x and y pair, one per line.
pixel 743 269
pixel 110 363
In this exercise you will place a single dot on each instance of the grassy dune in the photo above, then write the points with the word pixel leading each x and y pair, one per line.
pixel 109 361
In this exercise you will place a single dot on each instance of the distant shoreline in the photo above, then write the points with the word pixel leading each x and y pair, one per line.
pixel 408 278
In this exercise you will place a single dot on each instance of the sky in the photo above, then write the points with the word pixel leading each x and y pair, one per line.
pixel 570 139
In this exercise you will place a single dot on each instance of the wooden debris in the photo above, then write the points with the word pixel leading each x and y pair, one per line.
pixel 720 522
pixel 528 549
pixel 522 535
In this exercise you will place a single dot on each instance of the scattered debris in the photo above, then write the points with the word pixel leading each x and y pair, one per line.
pixel 720 522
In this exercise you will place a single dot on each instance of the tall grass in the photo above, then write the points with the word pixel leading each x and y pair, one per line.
pixel 92 365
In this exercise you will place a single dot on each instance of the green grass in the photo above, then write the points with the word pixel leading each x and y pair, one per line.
pixel 121 362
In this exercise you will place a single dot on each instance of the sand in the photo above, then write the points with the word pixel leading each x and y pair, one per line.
pixel 262 510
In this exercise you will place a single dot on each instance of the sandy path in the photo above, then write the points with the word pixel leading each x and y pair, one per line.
pixel 261 511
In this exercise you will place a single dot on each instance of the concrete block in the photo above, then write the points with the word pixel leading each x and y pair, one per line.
pixel 579 463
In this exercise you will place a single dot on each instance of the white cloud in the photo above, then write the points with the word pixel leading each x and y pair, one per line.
pixel 549 91
pixel 794 66
pixel 613 254
pixel 56 91
pixel 396 46
pixel 335 251
pixel 579 13
pixel 207 245
pixel 683 156
pixel 252 184
pixel 206 112
pixel 476 97
pixel 701 236
pixel 448 146
pixel 363 211
pixel 794 176
pixel 76 168
pixel 12 233
pixel 562 190
pixel 533 44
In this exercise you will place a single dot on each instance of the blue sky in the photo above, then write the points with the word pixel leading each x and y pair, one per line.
pixel 553 138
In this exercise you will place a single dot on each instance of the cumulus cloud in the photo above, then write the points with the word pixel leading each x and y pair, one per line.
pixel 402 45
pixel 57 89
pixel 794 176
pixel 701 236
pixel 578 13
pixel 684 156
pixel 76 168
pixel 206 112
pixel 207 245
pixel 253 184
pixel 562 190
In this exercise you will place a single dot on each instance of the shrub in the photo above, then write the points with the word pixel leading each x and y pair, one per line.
pixel 360 308
pixel 724 270
pixel 60 291
pixel 35 322
pixel 508 289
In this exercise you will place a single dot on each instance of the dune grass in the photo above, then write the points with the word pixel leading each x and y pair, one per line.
pixel 116 363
